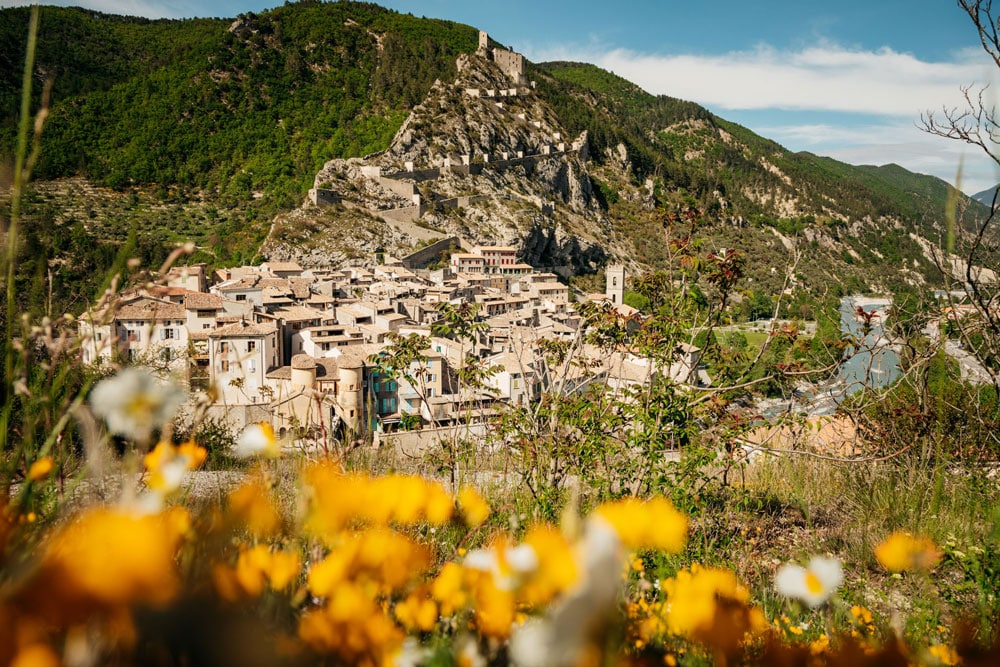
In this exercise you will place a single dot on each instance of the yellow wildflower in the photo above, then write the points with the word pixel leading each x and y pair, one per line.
pixel 339 500
pixel 105 559
pixel 378 556
pixel 283 568
pixel 509 566
pixel 945 655
pixel 692 596
pixel 494 607
pixel 820 645
pixel 41 468
pixel 556 571
pixel 902 551
pixel 448 589
pixel 168 465
pixel 417 612
pixel 195 454
pixel 863 620
pixel 646 524
pixel 475 510
pixel 256 567
pixel 251 503
pixel 251 569
pixel 158 455
pixel 351 626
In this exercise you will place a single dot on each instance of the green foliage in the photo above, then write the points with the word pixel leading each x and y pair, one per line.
pixel 216 437
pixel 258 107
pixel 636 300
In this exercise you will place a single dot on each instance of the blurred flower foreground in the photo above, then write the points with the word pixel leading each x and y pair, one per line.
pixel 303 563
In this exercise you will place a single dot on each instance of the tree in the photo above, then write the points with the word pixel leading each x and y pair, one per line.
pixel 978 124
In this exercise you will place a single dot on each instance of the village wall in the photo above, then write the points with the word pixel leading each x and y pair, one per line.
pixel 237 417
pixel 416 443
pixel 402 188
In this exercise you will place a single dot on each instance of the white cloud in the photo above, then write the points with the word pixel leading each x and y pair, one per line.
pixel 892 87
pixel 823 77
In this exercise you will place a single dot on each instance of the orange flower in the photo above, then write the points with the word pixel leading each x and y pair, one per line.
pixel 902 551
pixel 41 468
pixel 105 560
pixel 475 510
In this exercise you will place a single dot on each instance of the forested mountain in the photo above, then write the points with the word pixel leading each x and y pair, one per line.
pixel 235 106
pixel 206 129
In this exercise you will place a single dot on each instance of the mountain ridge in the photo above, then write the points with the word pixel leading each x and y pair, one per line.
pixel 244 112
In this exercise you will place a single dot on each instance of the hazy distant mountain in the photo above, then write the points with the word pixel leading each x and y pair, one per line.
pixel 986 196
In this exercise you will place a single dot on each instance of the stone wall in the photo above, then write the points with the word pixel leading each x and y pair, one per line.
pixel 417 443
pixel 404 189
pixel 236 417
pixel 459 202
pixel 421 258
pixel 404 214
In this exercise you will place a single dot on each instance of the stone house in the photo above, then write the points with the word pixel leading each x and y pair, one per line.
pixel 142 329
pixel 240 356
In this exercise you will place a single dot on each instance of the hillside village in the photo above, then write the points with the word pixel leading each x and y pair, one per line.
pixel 300 349
pixel 300 341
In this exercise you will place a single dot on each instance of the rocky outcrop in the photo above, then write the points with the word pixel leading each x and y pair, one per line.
pixel 481 158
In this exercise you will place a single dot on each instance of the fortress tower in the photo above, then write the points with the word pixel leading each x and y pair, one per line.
pixel 511 63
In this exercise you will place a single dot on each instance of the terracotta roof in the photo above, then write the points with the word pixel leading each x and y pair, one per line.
pixel 162 291
pixel 347 360
pixel 284 266
pixel 243 328
pixel 246 282
pixel 301 287
pixel 202 301
pixel 326 368
pixel 303 362
pixel 147 308
pixel 321 299
pixel 300 314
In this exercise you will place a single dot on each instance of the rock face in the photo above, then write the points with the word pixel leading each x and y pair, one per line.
pixel 483 158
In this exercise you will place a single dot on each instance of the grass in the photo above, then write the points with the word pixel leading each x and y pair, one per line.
pixel 848 509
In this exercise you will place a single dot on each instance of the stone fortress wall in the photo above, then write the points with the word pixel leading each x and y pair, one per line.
pixel 402 183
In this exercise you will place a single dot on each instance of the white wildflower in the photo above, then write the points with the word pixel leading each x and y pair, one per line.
pixel 813 584
pixel 508 568
pixel 563 637
pixel 134 403
pixel 257 439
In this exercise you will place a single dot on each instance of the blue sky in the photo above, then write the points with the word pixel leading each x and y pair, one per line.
pixel 846 79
